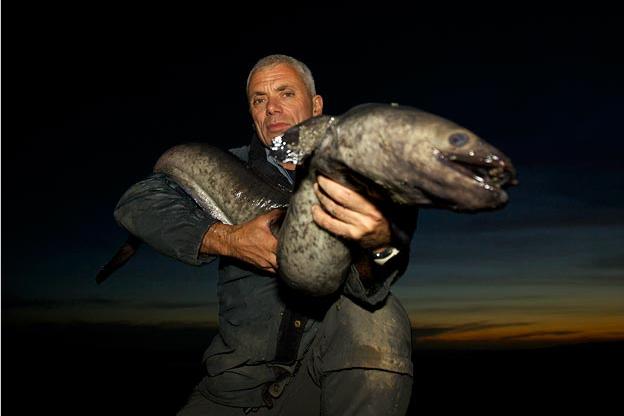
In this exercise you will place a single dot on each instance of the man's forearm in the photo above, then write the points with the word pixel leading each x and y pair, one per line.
pixel 159 213
pixel 217 241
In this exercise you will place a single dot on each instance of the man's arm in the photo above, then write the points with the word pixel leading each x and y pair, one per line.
pixel 160 213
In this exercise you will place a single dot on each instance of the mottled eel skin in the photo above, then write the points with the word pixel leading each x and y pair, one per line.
pixel 394 154
pixel 220 183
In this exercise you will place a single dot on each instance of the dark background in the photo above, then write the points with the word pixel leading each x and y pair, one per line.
pixel 104 369
pixel 94 95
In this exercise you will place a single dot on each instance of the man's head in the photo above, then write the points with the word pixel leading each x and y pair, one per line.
pixel 281 93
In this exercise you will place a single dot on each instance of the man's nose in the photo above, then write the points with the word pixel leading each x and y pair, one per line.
pixel 273 106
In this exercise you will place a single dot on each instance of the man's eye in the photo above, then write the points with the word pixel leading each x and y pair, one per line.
pixel 257 101
pixel 289 94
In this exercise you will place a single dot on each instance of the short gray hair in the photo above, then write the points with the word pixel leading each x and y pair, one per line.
pixel 272 60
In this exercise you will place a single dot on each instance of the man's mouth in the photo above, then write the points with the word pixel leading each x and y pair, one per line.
pixel 277 127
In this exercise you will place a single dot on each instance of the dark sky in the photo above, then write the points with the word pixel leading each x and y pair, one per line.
pixel 92 99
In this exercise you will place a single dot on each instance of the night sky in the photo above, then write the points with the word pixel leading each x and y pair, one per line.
pixel 91 101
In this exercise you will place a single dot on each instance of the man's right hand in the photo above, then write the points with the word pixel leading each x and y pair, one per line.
pixel 252 242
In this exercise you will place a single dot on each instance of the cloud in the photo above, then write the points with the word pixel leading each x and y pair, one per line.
pixel 431 331
pixel 51 303
pixel 603 218
pixel 419 298
pixel 13 302
pixel 176 305
pixel 539 334
pixel 615 262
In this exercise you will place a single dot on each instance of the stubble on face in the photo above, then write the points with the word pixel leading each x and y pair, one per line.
pixel 278 100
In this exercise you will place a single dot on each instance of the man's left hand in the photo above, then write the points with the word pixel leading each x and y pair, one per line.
pixel 348 214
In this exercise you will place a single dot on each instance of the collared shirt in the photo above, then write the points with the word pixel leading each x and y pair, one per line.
pixel 252 304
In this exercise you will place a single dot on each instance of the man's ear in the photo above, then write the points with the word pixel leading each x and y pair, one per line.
pixel 317 105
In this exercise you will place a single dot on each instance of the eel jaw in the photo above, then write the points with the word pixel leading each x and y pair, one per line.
pixel 490 170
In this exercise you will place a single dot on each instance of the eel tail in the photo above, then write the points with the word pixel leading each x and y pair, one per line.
pixel 125 252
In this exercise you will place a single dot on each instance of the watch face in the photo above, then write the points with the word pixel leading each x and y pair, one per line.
pixel 381 254
pixel 382 257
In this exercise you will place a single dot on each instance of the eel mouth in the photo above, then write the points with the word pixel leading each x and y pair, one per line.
pixel 491 171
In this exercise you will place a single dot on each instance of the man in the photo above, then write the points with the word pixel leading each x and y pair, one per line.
pixel 279 351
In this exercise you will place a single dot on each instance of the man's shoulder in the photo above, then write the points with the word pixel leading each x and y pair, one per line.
pixel 241 152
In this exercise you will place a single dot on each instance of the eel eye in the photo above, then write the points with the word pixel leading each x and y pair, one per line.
pixel 458 139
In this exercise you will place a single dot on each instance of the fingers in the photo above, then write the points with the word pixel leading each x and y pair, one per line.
pixel 273 262
pixel 266 241
pixel 346 197
pixel 267 237
pixel 269 263
pixel 347 214
pixel 275 214
pixel 333 225
pixel 272 244
pixel 263 257
pixel 365 217
pixel 254 242
pixel 336 210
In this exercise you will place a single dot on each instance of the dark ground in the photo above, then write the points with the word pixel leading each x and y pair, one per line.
pixel 102 369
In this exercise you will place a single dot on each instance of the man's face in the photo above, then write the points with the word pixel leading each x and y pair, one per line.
pixel 279 99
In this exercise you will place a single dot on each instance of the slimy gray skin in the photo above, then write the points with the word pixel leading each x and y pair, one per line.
pixel 395 155
pixel 389 153
pixel 220 183
pixel 231 193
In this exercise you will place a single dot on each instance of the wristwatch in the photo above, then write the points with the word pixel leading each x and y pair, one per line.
pixel 381 256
